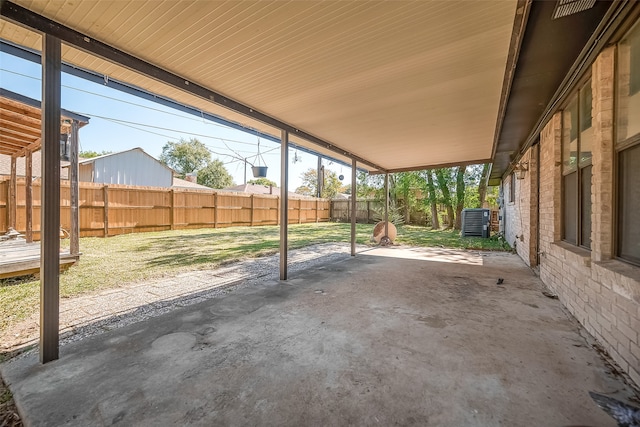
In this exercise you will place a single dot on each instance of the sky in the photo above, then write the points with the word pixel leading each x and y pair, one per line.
pixel 119 121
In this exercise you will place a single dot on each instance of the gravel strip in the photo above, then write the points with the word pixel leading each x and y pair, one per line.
pixel 89 315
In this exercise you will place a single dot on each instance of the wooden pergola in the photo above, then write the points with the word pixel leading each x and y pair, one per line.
pixel 20 136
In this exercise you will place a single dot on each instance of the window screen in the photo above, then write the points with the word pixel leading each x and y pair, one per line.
pixel 628 83
pixel 629 204
pixel 585 208
pixel 570 207
pixel 634 45
pixel 512 188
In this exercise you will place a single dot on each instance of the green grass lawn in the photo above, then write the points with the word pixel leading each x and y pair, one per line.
pixel 412 235
pixel 111 262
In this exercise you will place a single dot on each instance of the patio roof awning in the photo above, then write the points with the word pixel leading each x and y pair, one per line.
pixel 398 85
pixel 394 85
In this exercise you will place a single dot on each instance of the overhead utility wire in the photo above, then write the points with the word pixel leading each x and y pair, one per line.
pixel 133 126
pixel 238 158
pixel 141 130
pixel 208 122
pixel 171 137
pixel 162 128
pixel 201 120
pixel 229 125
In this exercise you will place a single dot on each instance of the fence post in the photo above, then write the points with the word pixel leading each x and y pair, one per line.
pixel 251 220
pixel 215 210
pixel 278 210
pixel 299 211
pixel 105 191
pixel 28 192
pixel 317 210
pixel 74 192
pixel 172 214
pixel 348 210
pixel 12 195
pixel 8 205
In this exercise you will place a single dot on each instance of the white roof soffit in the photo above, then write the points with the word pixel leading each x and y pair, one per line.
pixel 403 85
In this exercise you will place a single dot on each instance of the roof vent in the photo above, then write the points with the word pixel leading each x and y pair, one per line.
pixel 569 7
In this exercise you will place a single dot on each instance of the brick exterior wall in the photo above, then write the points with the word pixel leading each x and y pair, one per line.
pixel 600 291
pixel 512 228
pixel 521 215
pixel 603 88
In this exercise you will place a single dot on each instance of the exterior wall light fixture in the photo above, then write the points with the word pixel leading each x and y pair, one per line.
pixel 521 169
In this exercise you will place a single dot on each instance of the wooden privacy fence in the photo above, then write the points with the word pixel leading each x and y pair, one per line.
pixel 365 210
pixel 108 210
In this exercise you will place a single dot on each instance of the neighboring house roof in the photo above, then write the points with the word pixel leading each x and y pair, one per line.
pixel 128 167
pixel 183 183
pixel 262 189
pixel 36 165
pixel 119 153
pixel 5 167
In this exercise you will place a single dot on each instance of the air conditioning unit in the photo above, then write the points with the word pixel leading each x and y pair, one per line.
pixel 476 222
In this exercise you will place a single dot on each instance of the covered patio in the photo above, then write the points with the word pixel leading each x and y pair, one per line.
pixel 347 81
pixel 393 336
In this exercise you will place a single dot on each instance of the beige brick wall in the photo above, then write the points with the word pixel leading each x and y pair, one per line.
pixel 601 292
pixel 521 215
pixel 512 217
pixel 603 87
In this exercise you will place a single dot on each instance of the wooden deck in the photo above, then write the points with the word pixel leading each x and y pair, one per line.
pixel 19 258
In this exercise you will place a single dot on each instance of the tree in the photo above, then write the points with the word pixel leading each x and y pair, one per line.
pixel 185 156
pixel 309 185
pixel 454 188
pixel 460 192
pixel 370 186
pixel 482 185
pixel 89 154
pixel 215 175
pixel 406 184
pixel 262 181
pixel 443 178
pixel 432 197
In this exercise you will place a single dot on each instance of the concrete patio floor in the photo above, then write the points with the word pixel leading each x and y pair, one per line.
pixel 394 336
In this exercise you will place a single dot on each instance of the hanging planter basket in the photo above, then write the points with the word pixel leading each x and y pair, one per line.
pixel 259 171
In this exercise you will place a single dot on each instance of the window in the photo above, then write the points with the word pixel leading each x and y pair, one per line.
pixel 629 203
pixel 512 187
pixel 628 147
pixel 577 140
pixel 634 63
